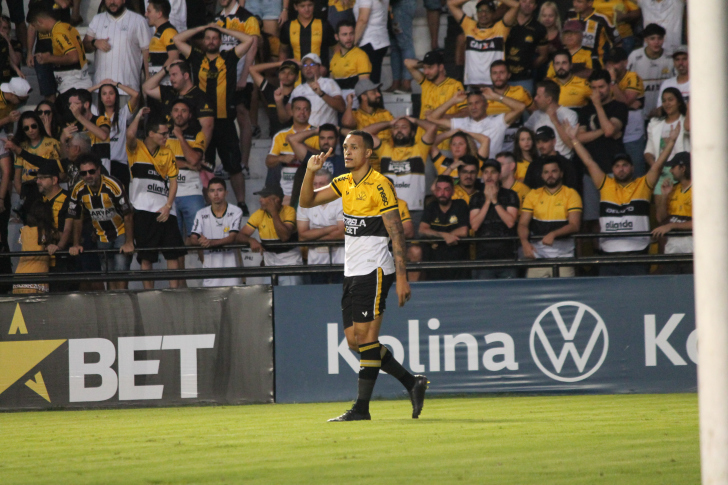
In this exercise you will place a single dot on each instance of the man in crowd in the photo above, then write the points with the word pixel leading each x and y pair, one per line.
pixel 306 34
pixel 652 64
pixel 668 14
pixel 552 212
pixel 350 64
pixel 162 51
pixel 575 90
pixel 328 137
pixel 215 226
pixel 582 62
pixel 526 46
pixel 599 33
pixel 58 199
pixel 323 223
pixel 501 77
pixel 494 213
pixel 675 210
pixel 152 191
pixel 546 147
pixel 120 40
pixel 371 108
pixel 508 177
pixel 624 204
pixel 467 176
pixel 323 93
pixel 216 72
pixel 277 98
pixel 102 199
pixel 274 222
pixel 682 80
pixel 550 113
pixel 436 86
pixel 97 127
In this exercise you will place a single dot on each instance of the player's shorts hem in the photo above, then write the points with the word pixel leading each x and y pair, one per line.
pixel 365 296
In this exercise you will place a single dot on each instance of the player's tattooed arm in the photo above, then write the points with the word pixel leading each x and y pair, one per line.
pixel 393 223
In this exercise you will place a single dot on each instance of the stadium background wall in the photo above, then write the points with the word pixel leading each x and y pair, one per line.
pixel 576 335
pixel 155 348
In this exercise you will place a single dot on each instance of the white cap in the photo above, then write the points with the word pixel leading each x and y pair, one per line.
pixel 17 86
pixel 314 57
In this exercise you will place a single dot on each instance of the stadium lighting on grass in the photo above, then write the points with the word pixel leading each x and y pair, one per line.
pixel 709 140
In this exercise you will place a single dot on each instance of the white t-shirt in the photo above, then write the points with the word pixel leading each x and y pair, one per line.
pixel 178 15
pixel 539 118
pixel 684 89
pixel 127 35
pixel 494 127
pixel 321 112
pixel 375 32
pixel 652 72
pixel 667 14
pixel 323 216
pixel 117 135
pixel 212 227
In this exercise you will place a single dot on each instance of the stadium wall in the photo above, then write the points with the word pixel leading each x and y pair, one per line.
pixel 576 335
pixel 154 348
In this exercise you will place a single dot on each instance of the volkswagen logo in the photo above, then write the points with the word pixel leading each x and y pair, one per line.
pixel 544 336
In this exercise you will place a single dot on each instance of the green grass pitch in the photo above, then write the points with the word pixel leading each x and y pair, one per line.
pixel 623 439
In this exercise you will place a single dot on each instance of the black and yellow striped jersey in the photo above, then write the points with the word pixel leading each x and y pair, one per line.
pixel 610 9
pixel 482 48
pixel 263 222
pixel 680 204
pixel 580 60
pixel 148 189
pixel 624 208
pixel 66 39
pixel 406 166
pixel 575 92
pixel 48 149
pixel 551 211
pixel 217 78
pixel 59 206
pixel 316 38
pixel 159 47
pixel 242 21
pixel 106 207
pixel 599 33
pixel 195 139
pixel 188 180
pixel 632 82
pixel 345 69
pixel 366 237
pixel 195 96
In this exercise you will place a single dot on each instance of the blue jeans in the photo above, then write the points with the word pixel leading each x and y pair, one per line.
pixel 636 151
pixel 121 262
pixel 187 207
pixel 403 46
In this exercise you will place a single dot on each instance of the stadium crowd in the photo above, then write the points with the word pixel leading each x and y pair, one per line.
pixel 538 128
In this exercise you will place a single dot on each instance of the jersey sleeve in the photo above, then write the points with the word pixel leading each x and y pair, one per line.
pixel 288 214
pixel 463 212
pixel 197 225
pixel 285 36
pixel 302 214
pixel 338 185
pixel 530 202
pixel 74 208
pixel 167 41
pixel 404 212
pixel 255 219
pixel 477 200
pixel 574 202
pixel 277 145
pixel 252 27
pixel 635 83
pixel 364 65
pixel 511 200
pixel 386 196
pixel 63 42
pixel 103 121
pixel 235 224
pixel 198 143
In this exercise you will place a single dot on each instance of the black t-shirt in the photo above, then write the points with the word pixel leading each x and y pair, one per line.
pixel 521 48
pixel 604 149
pixel 573 173
pixel 458 215
pixel 268 91
pixel 493 226
pixel 195 96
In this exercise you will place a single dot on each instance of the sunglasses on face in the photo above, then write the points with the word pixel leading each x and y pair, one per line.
pixel 310 64
pixel 30 127
pixel 83 173
pixel 46 112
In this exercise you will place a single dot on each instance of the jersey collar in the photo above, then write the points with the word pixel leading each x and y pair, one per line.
pixel 363 178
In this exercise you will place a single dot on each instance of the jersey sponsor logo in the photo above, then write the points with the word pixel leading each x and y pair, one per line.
pixel 486 45
pixel 156 189
pixel 619 226
pixel 102 214
pixel 403 167
pixel 383 195
pixel 453 219
pixel 353 224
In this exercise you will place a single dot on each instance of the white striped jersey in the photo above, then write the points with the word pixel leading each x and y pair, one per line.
pixel 212 227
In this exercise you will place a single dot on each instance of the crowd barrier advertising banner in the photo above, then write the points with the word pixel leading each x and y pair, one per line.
pixel 151 348
pixel 579 335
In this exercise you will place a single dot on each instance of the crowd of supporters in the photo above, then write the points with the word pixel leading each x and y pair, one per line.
pixel 539 126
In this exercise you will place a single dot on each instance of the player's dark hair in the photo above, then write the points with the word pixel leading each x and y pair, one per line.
pixel 153 124
pixel 446 179
pixel 550 88
pixel 552 159
pixel 345 23
pixel 497 63
pixel 37 11
pixel 562 52
pixel 162 6
pixel 600 75
pixel 506 155
pixel 470 160
pixel 301 99
pixel 183 66
pixel 368 140
pixel 682 107
pixel 329 127
pixel 88 158
pixel 217 180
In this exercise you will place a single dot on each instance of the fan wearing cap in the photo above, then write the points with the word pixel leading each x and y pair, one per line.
pixel 12 94
pixel 582 60
pixel 675 210
pixel 436 86
pixel 275 222
pixel 600 34
pixel 546 146
pixel 652 64
pixel 277 97
pixel 624 202
pixel 371 108
pixel 323 93
pixel 350 64
pixel 306 34
pixel 681 81
pixel 669 14
pixel 485 39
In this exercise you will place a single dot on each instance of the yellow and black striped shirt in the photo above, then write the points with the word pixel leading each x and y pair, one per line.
pixel 59 205
pixel 316 38
pixel 159 47
pixel 217 78
pixel 106 207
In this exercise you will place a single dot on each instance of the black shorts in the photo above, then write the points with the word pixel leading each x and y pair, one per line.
pixel 365 297
pixel 243 96
pixel 148 233
pixel 226 143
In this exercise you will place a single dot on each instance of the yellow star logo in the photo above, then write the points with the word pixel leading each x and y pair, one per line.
pixel 19 358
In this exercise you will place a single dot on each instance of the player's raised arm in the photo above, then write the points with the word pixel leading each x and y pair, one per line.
pixel 393 223
pixel 310 198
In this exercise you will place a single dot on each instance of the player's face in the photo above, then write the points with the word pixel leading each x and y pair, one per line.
pixel 90 174
pixel 431 72
pixel 181 114
pixel 545 147
pixel 212 42
pixel 551 175
pixel 681 64
pixel 468 174
pixel 562 66
pixel 654 43
pixel 507 167
pixel 402 131
pixel 152 15
pixel 304 10
pixel 216 193
pixel 45 183
pixel 108 96
pixel 31 128
pixel 485 16
pixel 525 142
pixel 327 139
pixel 490 176
pixel 346 37
pixel 301 111
pixel 443 192
pixel 670 104
pixel 287 77
pixel 477 106
pixel 320 181
pixel 601 87
pixel 572 40
pixel 458 147
pixel 527 7
pixel 500 76
pixel 623 171
pixel 581 6
pixel 548 17
pixel 355 153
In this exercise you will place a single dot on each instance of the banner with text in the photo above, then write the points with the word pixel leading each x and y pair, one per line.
pixel 583 335
pixel 150 348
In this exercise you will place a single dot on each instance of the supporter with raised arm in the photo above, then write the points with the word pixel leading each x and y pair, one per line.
pixel 328 137
pixel 494 213
pixel 97 127
pixel 437 87
pixel 462 144
pixel 42 42
pixel 323 93
pixel 152 192
pixel 546 147
pixel 371 108
pixel 599 33
pixel 553 212
pixel 277 97
pixel 675 209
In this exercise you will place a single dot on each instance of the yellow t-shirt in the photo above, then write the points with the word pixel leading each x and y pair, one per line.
pixel 521 169
pixel 48 148
pixel 575 93
pixel 515 92
pixel 581 59
pixel 346 69
pixel 65 39
pixel 609 9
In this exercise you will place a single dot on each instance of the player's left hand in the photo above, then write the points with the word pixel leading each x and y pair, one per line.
pixel 403 291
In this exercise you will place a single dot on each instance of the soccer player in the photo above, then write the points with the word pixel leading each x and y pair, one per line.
pixel 369 269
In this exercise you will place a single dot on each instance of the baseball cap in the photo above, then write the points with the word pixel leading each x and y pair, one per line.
pixel 314 57
pixel 272 190
pixel 683 49
pixel 653 29
pixel 622 156
pixel 682 158
pixel 573 25
pixel 49 170
pixel 289 64
pixel 17 86
pixel 364 85
pixel 490 162
pixel 618 55
pixel 433 57
pixel 545 133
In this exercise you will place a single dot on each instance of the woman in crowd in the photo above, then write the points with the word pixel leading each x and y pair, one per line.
pixel 47 113
pixel 550 18
pixel 371 32
pixel 524 151
pixel 461 143
pixel 37 233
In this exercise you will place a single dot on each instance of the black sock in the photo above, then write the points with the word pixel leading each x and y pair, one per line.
pixel 395 369
pixel 370 364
